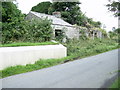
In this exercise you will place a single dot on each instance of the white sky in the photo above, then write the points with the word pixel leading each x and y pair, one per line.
pixel 95 9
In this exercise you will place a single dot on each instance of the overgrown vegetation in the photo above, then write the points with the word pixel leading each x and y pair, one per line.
pixel 60 35
pixel 16 29
pixel 76 49
pixel 27 31
pixel 115 35
pixel 116 84
pixel 88 47
pixel 42 7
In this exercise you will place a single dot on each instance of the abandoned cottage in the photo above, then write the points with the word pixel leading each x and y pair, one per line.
pixel 59 25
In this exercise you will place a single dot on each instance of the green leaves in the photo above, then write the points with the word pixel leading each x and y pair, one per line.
pixel 114 6
pixel 16 29
pixel 41 29
pixel 10 12
pixel 42 7
pixel 70 12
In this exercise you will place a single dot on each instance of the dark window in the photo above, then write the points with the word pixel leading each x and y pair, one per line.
pixel 58 33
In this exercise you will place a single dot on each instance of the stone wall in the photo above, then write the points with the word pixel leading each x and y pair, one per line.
pixel 71 31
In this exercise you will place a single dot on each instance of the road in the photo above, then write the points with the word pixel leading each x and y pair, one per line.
pixel 92 72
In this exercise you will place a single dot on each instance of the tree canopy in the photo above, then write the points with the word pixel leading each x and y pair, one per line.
pixel 114 6
pixel 42 7
pixel 70 12
pixel 10 12
pixel 16 29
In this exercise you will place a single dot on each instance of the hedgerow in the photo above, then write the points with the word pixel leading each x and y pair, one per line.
pixel 27 31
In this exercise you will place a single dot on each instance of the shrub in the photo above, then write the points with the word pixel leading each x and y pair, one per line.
pixel 27 31
pixel 89 47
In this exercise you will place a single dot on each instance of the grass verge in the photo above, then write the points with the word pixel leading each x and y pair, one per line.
pixel 76 50
pixel 27 44
pixel 116 84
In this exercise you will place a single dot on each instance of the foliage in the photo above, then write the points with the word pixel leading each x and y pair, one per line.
pixel 16 29
pixel 93 23
pixel 87 47
pixel 76 49
pixel 82 34
pixel 13 32
pixel 117 30
pixel 26 31
pixel 27 44
pixel 42 7
pixel 102 30
pixel 40 30
pixel 10 13
pixel 115 35
pixel 11 18
pixel 114 6
pixel 116 84
pixel 70 12
pixel 60 35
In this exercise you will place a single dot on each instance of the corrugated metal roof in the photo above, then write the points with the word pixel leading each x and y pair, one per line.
pixel 54 19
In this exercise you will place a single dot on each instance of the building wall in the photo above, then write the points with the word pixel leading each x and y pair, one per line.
pixel 70 31
pixel 99 34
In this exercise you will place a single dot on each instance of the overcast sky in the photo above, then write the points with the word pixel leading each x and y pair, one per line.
pixel 95 9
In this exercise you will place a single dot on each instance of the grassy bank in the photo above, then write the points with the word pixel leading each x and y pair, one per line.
pixel 27 44
pixel 89 47
pixel 116 84
pixel 76 49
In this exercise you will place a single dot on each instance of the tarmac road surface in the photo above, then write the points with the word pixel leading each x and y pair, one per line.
pixel 92 72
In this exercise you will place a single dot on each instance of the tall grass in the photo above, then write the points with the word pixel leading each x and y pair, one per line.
pixel 76 49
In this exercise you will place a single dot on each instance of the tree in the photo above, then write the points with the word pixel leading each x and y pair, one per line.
pixel 114 6
pixel 12 20
pixel 115 35
pixel 117 30
pixel 10 12
pixel 16 29
pixel 94 23
pixel 69 10
pixel 42 7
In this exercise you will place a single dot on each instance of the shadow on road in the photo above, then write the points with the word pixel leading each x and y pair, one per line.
pixel 110 81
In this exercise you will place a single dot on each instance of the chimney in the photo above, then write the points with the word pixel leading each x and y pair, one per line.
pixel 57 14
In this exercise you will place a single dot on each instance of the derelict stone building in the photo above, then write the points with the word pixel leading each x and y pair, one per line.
pixel 58 25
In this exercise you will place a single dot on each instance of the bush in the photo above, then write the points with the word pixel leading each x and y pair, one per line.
pixel 89 47
pixel 42 30
pixel 27 31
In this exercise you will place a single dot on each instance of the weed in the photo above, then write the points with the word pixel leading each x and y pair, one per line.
pixel 76 49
